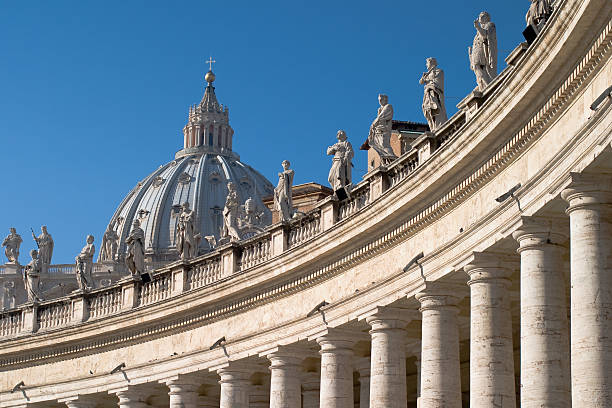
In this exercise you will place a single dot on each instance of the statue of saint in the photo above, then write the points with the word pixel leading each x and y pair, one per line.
pixel 11 245
pixel 379 137
pixel 187 241
pixel 283 197
pixel 483 53
pixel 84 265
pixel 31 277
pixel 341 169
pixel 433 97
pixel 45 247
pixel 231 213
pixel 135 251
pixel 538 13
pixel 109 244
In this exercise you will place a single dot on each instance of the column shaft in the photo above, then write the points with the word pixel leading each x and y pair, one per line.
pixel 285 382
pixel 234 388
pixel 544 326
pixel 183 395
pixel 336 372
pixel 440 371
pixel 363 367
pixel 590 214
pixel 491 352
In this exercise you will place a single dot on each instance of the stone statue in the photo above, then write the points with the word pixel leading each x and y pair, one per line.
pixel 109 244
pixel 84 265
pixel 135 252
pixel 379 137
pixel 31 277
pixel 433 97
pixel 483 53
pixel 283 196
pixel 187 241
pixel 251 217
pixel 231 213
pixel 341 169
pixel 538 13
pixel 11 245
pixel 45 247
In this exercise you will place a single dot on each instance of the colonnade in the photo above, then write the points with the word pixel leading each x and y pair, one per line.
pixel 548 376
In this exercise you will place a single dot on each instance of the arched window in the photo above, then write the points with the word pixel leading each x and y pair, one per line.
pixel 210 135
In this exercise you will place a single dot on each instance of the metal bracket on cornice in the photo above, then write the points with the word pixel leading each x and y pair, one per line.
pixel 415 261
pixel 220 343
pixel 510 193
pixel 317 309
pixel 119 369
pixel 18 388
pixel 607 93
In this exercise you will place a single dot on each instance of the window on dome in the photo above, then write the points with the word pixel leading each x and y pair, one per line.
pixel 210 139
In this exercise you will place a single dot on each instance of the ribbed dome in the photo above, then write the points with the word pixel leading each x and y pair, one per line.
pixel 201 180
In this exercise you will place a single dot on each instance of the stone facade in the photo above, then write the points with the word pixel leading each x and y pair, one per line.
pixel 341 309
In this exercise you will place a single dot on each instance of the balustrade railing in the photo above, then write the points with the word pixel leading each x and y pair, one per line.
pixel 304 229
pixel 205 272
pixel 54 314
pixel 158 289
pixel 359 199
pixel 105 302
pixel 256 252
pixel 11 322
pixel 402 169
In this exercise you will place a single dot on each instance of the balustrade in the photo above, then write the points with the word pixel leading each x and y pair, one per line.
pixel 205 272
pixel 54 314
pixel 159 288
pixel 404 168
pixel 11 322
pixel 304 229
pixel 105 302
pixel 256 252
pixel 359 199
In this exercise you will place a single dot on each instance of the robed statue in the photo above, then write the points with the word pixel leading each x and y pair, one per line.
pixel 84 265
pixel 483 53
pixel 231 213
pixel 340 174
pixel 379 137
pixel 45 247
pixel 31 277
pixel 433 96
pixel 538 13
pixel 187 241
pixel 110 241
pixel 135 250
pixel 283 196
pixel 11 245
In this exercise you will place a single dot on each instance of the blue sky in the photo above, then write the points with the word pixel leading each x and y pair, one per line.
pixel 94 95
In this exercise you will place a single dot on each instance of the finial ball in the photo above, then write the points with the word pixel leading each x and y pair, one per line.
pixel 210 77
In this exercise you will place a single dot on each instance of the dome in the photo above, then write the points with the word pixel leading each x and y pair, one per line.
pixel 199 175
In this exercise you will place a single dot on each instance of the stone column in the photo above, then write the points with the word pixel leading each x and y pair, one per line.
pixel 491 352
pixel 544 327
pixel 285 381
pixel 131 398
pixel 388 357
pixel 363 368
pixel 336 369
pixel 417 363
pixel 310 389
pixel 590 211
pixel 235 384
pixel 440 371
pixel 183 393
pixel 82 401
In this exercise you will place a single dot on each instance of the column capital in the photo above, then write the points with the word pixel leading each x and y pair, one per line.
pixel 488 266
pixel 386 318
pixel 588 189
pixel 287 356
pixel 132 397
pixel 79 401
pixel 437 295
pixel 237 371
pixel 337 340
pixel 539 231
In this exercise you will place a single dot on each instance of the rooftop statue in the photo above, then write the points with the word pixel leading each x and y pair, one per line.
pixel 483 53
pixel 11 245
pixel 109 244
pixel 379 137
pixel 538 13
pixel 45 247
pixel 251 217
pixel 434 108
pixel 84 265
pixel 135 252
pixel 188 241
pixel 231 214
pixel 283 196
pixel 340 176
pixel 31 277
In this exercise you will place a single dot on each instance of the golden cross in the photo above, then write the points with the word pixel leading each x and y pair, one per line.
pixel 210 62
